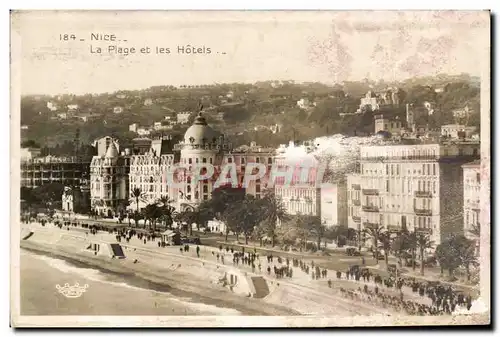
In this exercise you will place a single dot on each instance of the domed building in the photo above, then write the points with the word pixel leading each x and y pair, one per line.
pixel 182 172
pixel 201 145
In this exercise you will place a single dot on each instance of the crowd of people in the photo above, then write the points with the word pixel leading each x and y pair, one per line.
pixel 444 299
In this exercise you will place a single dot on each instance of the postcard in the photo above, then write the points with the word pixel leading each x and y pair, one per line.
pixel 250 168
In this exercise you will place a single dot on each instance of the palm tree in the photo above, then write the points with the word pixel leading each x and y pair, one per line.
pixel 385 244
pixel 137 195
pixel 167 210
pixel 152 212
pixel 412 246
pixel 374 232
pixel 274 211
pixel 423 242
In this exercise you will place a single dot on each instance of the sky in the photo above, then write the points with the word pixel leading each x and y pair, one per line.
pixel 328 47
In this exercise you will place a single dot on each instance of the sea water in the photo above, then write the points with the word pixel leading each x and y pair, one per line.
pixel 106 294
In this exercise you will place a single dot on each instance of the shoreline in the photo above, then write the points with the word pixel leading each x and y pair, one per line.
pixel 154 280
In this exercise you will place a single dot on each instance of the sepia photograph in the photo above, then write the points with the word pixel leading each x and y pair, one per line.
pixel 250 168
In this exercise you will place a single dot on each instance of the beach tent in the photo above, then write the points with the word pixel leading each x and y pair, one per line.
pixel 170 237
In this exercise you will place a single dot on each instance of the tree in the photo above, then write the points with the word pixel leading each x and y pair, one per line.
pixel 468 256
pixel 137 195
pixel 401 244
pixel 167 211
pixel 449 251
pixel 318 228
pixel 374 232
pixel 273 211
pixel 385 244
pixel 152 213
pixel 423 242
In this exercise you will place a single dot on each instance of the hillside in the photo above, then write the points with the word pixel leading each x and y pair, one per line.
pixel 248 110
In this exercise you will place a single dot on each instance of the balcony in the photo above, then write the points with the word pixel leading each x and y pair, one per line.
pixel 356 202
pixel 370 209
pixel 356 187
pixel 370 225
pixel 423 230
pixel 425 212
pixel 394 228
pixel 356 218
pixel 370 192
pixel 423 194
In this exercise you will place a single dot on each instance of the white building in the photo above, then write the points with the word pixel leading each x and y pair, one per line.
pixel 109 188
pixel 72 107
pixel 52 106
pixel 216 226
pixel 472 196
pixel 305 103
pixel 117 109
pixel 133 127
pixel 370 100
pixel 201 145
pixel 144 131
pixel 62 115
pixel 183 117
pixel 30 153
pixel 301 194
pixel 149 171
pixel 334 204
pixel 418 187
pixel 456 131
pixel 354 201
pixel 102 145
pixel 148 102
pixel 393 126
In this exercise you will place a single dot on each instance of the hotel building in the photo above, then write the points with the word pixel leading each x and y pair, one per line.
pixel 418 187
pixel 109 187
pixel 38 171
pixel 154 172
pixel 472 192
pixel 299 190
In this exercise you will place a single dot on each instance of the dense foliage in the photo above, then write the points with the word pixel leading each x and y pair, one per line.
pixel 247 109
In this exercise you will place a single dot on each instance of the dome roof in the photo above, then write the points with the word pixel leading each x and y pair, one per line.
pixel 112 152
pixel 200 133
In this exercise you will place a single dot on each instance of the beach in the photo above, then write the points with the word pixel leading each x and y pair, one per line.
pixel 157 282
pixel 107 294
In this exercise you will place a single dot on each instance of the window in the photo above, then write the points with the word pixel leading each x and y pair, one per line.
pixel 397 168
pixel 434 187
pixel 478 178
pixel 205 189
pixel 242 160
pixel 229 160
pixel 423 169
pixel 257 160
pixel 419 186
pixel 392 170
pixel 428 186
pixel 434 169
pixel 190 161
pixel 387 185
pixel 428 169
pixel 387 169
pixel 211 161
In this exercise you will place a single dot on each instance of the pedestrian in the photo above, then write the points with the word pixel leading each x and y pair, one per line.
pixel 198 251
